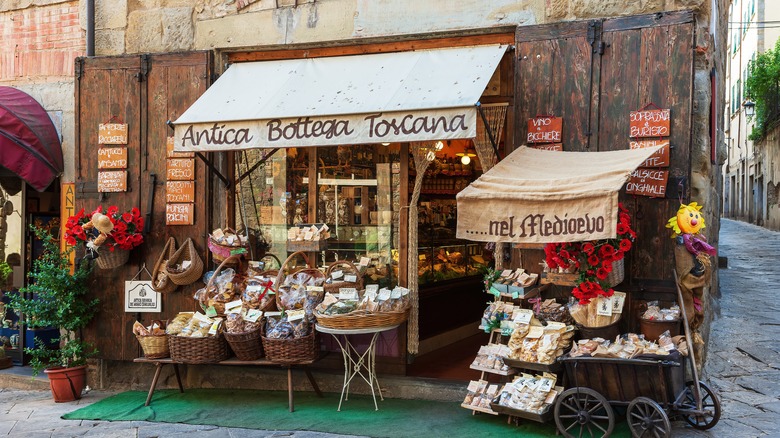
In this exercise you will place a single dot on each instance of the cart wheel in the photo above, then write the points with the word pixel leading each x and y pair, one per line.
pixel 709 402
pixel 646 418
pixel 583 412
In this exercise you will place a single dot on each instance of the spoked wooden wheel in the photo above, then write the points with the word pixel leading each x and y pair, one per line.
pixel 647 419
pixel 709 403
pixel 583 412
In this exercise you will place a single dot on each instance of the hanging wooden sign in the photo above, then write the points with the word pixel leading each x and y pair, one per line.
pixel 172 154
pixel 548 146
pixel 179 214
pixel 180 191
pixel 181 169
pixel 658 159
pixel 545 129
pixel 112 133
pixel 650 123
pixel 112 158
pixel 112 181
pixel 648 182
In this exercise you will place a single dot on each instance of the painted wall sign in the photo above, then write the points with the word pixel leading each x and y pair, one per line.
pixel 439 124
pixel 548 146
pixel 112 133
pixel 650 123
pixel 112 158
pixel 658 159
pixel 112 181
pixel 67 209
pixel 179 214
pixel 180 169
pixel 545 130
pixel 648 182
pixel 140 297
pixel 180 191
pixel 171 154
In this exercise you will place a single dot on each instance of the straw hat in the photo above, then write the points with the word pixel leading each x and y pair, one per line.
pixel 102 223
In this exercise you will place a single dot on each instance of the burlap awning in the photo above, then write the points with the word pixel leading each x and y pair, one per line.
pixel 537 196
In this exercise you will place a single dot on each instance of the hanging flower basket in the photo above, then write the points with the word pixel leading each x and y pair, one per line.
pixel 112 259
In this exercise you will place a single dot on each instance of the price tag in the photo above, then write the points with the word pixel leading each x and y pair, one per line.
pixel 506 273
pixel 372 288
pixel 276 313
pixel 523 316
pixel 395 294
pixel 295 315
pixel 348 293
pixel 233 306
pixel 535 332
pixel 554 325
pixel 308 235
pixel 315 288
pixel 492 390
pixel 252 315
pixel 215 327
pixel 473 386
pixel 604 305
pixel 364 261
pixel 211 312
pixel 203 318
pixel 495 291
pixel 384 294
pixel 269 180
pixel 350 278
pixel 618 300
pixel 545 385
pixel 336 274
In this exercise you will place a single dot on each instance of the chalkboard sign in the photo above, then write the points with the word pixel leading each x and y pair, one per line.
pixel 650 123
pixel 112 158
pixel 112 133
pixel 179 214
pixel 112 181
pixel 181 169
pixel 658 159
pixel 545 130
pixel 548 146
pixel 179 191
pixel 648 182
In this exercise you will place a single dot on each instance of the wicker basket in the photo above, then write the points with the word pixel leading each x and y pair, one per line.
pixel 155 346
pixel 193 272
pixel 336 285
pixel 311 270
pixel 362 319
pixel 617 274
pixel 108 259
pixel 293 351
pixel 271 304
pixel 168 250
pixel 246 346
pixel 221 252
pixel 227 263
pixel 210 349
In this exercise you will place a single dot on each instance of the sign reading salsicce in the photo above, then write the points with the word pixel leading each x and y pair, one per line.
pixel 439 124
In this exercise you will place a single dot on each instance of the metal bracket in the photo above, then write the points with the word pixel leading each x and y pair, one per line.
pixel 145 62
pixel 208 163
pixel 79 67
pixel 255 166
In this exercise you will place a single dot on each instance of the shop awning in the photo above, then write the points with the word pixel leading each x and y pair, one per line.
pixel 29 144
pixel 538 196
pixel 386 97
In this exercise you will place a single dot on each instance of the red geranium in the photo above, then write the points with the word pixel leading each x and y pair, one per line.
pixel 593 259
pixel 126 234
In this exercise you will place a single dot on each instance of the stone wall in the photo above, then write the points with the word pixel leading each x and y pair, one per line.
pixel 768 159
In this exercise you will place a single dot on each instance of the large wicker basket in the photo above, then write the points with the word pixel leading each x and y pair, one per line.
pixel 210 349
pixel 311 270
pixel 108 259
pixel 362 319
pixel 167 285
pixel 154 346
pixel 221 252
pixel 617 274
pixel 293 351
pixel 246 346
pixel 193 272
pixel 227 263
pixel 336 285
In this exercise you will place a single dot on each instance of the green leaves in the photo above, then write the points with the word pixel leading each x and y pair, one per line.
pixel 762 86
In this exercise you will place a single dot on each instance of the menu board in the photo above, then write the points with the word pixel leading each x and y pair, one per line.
pixel 658 159
pixel 112 181
pixel 545 129
pixel 650 123
pixel 172 154
pixel 181 169
pixel 179 186
pixel 179 191
pixel 112 158
pixel 648 182
pixel 112 133
pixel 179 214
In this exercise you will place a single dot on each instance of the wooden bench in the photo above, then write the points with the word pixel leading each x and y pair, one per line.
pixel 160 363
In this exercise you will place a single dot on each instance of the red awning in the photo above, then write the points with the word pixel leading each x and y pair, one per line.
pixel 29 144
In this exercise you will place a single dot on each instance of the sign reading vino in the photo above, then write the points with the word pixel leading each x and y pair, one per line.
pixel 545 129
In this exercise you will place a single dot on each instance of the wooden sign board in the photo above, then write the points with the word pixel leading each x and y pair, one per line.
pixel 112 133
pixel 180 191
pixel 648 182
pixel 112 181
pixel 181 169
pixel 179 214
pixel 172 154
pixel 545 130
pixel 658 159
pixel 650 123
pixel 548 146
pixel 112 158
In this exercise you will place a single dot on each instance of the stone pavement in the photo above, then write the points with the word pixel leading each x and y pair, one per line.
pixel 743 365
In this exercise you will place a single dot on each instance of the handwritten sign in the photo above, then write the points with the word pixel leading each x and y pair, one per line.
pixel 179 191
pixel 172 154
pixel 548 146
pixel 658 159
pixel 112 133
pixel 112 181
pixel 181 169
pixel 545 130
pixel 650 123
pixel 648 182
pixel 179 214
pixel 112 158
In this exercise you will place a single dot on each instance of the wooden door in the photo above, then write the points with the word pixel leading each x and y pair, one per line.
pixel 144 92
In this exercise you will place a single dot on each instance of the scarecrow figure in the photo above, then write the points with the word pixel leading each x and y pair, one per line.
pixel 104 226
pixel 694 268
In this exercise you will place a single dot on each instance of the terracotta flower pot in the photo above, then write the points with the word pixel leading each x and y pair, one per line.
pixel 67 383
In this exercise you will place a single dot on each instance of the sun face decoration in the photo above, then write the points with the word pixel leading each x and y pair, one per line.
pixel 688 220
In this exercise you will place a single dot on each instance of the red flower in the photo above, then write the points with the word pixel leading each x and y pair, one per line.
pixel 119 227
pixel 112 210
pixel 127 217
pixel 588 248
pixel 135 212
pixel 625 245
pixel 607 251
pixel 601 274
pixel 607 266
pixel 622 228
pixel 565 255
pixel 593 260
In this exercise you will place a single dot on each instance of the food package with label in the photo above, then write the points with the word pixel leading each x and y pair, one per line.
pixel 194 325
pixel 534 343
pixel 654 312
pixel 228 237
pixel 480 394
pixel 491 357
pixel 287 325
pixel 627 346
pixel 534 394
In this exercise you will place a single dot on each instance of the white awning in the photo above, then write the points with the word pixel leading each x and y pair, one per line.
pixel 387 97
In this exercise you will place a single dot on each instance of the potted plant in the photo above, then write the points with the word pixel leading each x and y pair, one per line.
pixel 57 298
